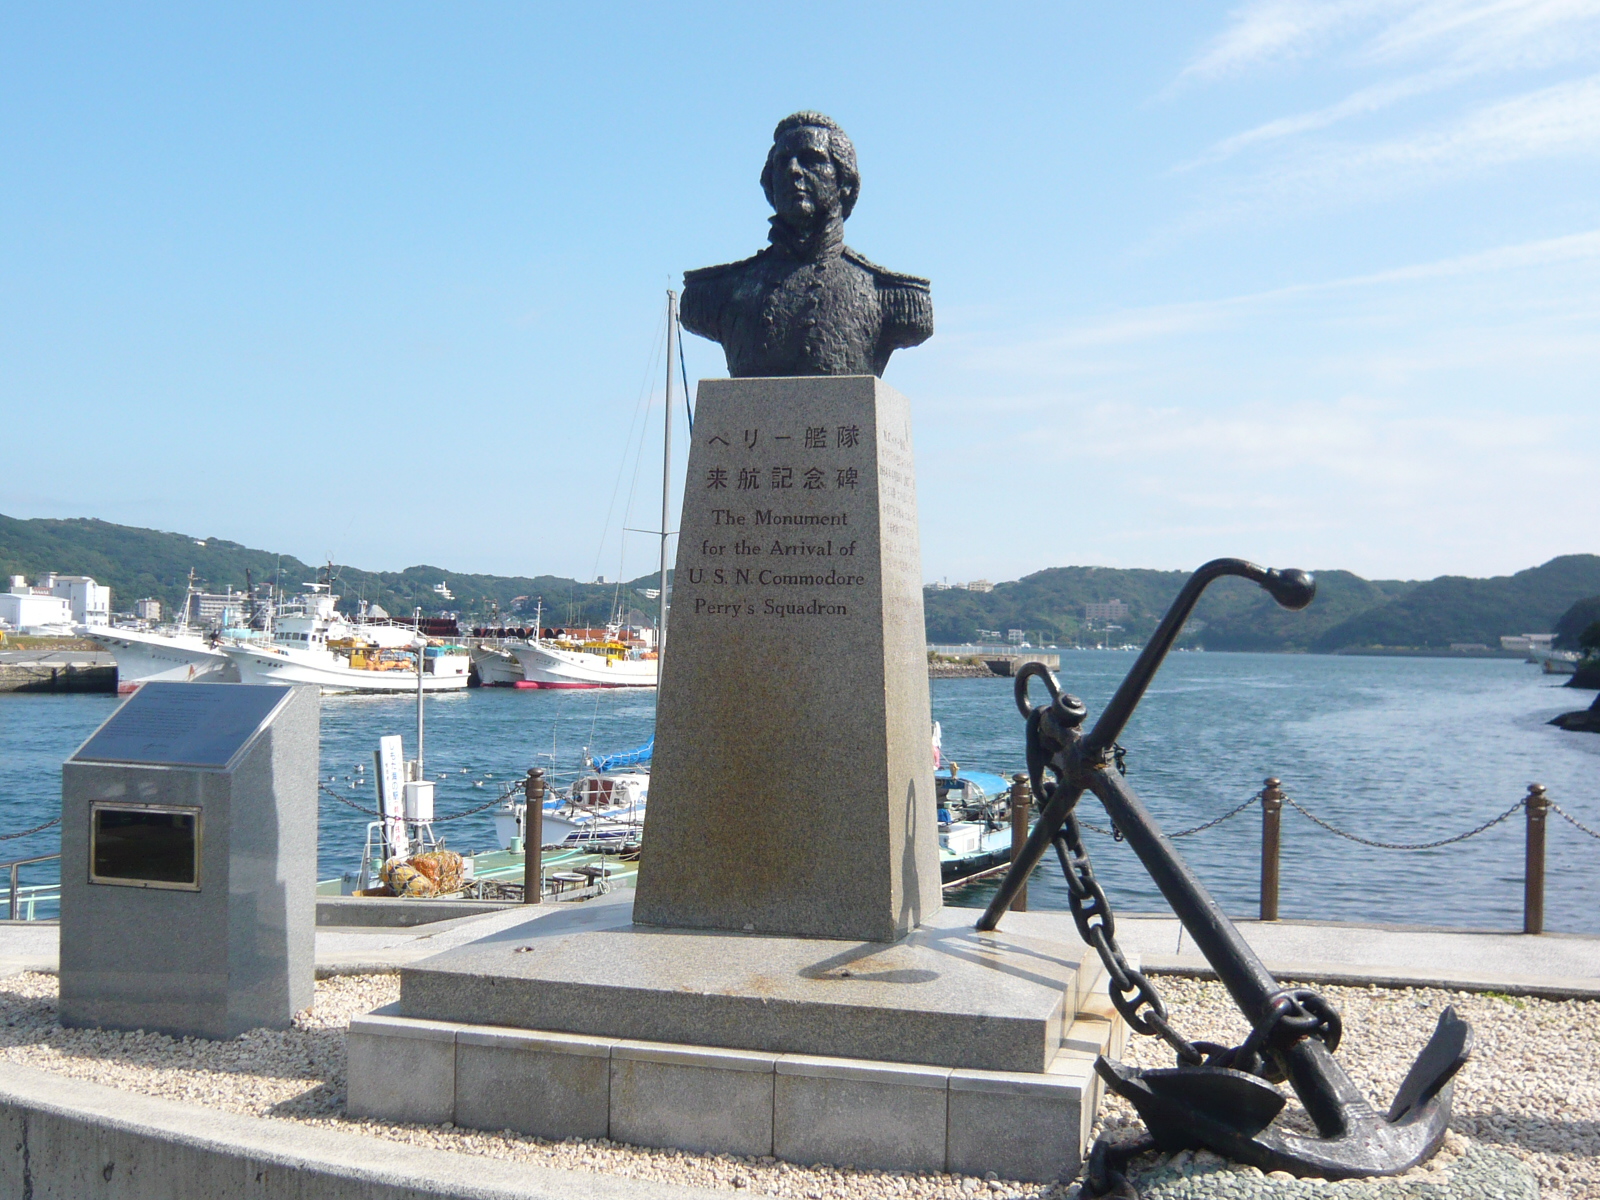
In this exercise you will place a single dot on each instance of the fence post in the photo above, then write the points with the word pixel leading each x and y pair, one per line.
pixel 1537 805
pixel 1021 794
pixel 1271 830
pixel 533 837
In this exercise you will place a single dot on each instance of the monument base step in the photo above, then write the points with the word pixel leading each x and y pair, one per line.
pixel 945 995
pixel 1031 1126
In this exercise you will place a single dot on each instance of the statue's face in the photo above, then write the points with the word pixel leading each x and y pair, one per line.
pixel 805 185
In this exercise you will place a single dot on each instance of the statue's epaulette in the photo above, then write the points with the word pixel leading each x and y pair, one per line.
pixel 704 274
pixel 885 277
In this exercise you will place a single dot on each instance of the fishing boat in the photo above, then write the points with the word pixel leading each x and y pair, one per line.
pixel 311 643
pixel 604 805
pixel 974 821
pixel 587 658
pixel 496 667
pixel 174 654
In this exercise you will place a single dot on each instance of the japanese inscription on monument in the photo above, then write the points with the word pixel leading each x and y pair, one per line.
pixel 792 727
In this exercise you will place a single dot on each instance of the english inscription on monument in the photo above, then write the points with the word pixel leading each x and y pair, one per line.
pixel 792 785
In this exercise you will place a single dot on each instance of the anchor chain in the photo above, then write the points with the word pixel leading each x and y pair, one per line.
pixel 1291 1014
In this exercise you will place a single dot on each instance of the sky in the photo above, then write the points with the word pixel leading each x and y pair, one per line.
pixel 1316 284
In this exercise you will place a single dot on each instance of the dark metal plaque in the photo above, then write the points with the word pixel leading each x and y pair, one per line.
pixel 183 724
pixel 145 845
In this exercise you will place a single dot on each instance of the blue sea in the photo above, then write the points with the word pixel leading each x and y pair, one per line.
pixel 1393 749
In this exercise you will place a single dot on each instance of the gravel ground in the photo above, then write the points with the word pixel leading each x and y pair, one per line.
pixel 1533 1088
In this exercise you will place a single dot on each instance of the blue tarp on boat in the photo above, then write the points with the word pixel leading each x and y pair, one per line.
pixel 631 758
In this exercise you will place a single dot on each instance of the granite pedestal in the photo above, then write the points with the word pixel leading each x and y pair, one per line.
pixel 949 1050
pixel 791 788
pixel 944 995
pixel 188 862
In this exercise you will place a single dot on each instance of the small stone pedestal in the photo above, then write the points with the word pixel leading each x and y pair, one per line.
pixel 189 859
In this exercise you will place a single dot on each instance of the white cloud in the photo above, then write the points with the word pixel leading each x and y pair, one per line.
pixel 1273 30
pixel 1438 43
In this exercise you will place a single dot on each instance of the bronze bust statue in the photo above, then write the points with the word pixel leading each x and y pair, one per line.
pixel 808 304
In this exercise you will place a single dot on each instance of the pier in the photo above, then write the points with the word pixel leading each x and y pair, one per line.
pixel 57 671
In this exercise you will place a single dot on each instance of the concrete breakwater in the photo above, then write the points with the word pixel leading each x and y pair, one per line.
pixel 57 671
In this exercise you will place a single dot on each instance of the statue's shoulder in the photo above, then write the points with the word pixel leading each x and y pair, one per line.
pixel 885 278
pixel 707 275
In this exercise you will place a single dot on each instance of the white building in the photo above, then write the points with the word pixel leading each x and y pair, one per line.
pixel 1528 642
pixel 980 585
pixel 148 609
pixel 55 603
pixel 34 609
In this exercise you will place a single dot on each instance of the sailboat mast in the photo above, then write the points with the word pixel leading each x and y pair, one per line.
pixel 666 470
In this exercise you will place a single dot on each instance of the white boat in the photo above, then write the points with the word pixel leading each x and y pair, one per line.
pixel 566 663
pixel 311 643
pixel 497 667
pixel 144 656
pixel 607 806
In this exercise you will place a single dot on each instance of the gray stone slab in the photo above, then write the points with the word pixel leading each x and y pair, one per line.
pixel 548 1085
pixel 945 996
pixel 237 951
pixel 714 1102
pixel 865 1114
pixel 1031 1128
pixel 792 784
pixel 401 1070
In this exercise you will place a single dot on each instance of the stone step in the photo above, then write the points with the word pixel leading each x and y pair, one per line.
pixel 801 1108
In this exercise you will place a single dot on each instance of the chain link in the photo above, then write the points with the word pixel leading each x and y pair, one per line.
pixel 1182 833
pixel 372 812
pixel 1460 837
pixel 9 837
pixel 1573 821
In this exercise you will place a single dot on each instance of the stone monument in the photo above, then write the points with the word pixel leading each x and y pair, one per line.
pixel 785 980
pixel 189 861
pixel 792 783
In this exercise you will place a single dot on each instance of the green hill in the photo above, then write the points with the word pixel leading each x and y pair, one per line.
pixel 1350 613
pixel 1456 609
pixel 145 562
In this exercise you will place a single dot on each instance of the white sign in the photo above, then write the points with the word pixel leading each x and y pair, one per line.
pixel 391 791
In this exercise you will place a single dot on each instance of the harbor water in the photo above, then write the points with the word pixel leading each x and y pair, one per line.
pixel 1392 749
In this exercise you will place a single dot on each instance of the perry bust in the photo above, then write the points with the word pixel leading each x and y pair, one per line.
pixel 808 304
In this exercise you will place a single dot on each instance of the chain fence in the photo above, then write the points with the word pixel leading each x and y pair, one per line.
pixel 11 837
pixel 1460 837
pixel 1354 837
pixel 372 812
pixel 1573 821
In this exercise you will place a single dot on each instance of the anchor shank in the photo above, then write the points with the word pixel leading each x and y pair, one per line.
pixel 1321 1083
pixel 1242 973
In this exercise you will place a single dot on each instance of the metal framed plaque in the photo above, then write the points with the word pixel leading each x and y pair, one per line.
pixel 145 845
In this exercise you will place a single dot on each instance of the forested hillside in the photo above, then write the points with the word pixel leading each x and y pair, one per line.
pixel 1349 613
pixel 137 562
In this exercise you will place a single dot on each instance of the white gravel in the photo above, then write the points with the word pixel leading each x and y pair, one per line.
pixel 1532 1089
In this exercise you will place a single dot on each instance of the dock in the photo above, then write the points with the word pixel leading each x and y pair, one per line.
pixel 57 671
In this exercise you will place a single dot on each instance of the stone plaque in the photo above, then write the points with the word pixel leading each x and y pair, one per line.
pixel 182 724
pixel 792 784
pixel 189 861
